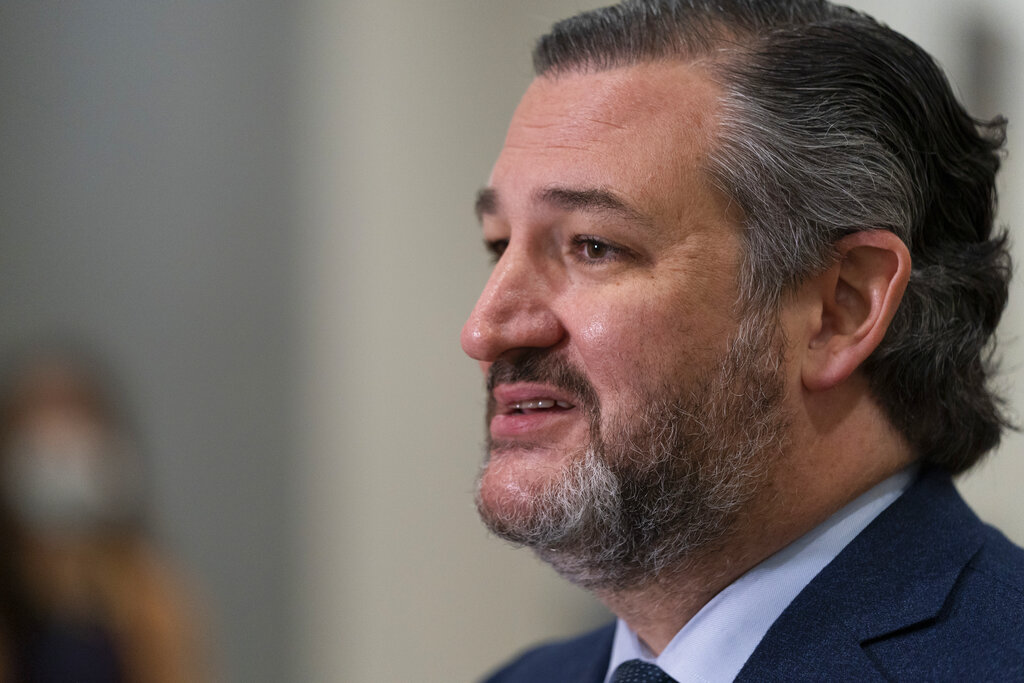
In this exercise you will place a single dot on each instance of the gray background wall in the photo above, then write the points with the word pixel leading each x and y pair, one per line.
pixel 143 205
pixel 263 211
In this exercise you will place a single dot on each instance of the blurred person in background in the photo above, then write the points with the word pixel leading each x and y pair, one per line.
pixel 84 596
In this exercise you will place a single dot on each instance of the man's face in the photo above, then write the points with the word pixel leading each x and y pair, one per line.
pixel 607 327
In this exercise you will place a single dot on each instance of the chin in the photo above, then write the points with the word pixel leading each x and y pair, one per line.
pixel 510 484
pixel 514 493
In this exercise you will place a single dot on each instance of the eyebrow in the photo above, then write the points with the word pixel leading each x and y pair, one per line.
pixel 486 203
pixel 591 200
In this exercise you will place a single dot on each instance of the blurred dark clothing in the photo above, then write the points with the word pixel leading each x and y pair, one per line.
pixel 66 652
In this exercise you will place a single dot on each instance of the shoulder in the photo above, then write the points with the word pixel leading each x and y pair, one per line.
pixel 583 659
pixel 926 592
pixel 1000 565
pixel 979 631
pixel 987 602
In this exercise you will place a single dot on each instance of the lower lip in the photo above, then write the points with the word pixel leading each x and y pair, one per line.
pixel 520 424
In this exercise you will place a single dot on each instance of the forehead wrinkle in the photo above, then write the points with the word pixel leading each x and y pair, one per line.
pixel 607 123
pixel 547 146
pixel 583 127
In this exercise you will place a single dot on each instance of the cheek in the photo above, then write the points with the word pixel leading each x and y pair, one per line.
pixel 640 341
pixel 594 332
pixel 618 344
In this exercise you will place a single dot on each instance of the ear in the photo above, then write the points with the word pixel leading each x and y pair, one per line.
pixel 854 302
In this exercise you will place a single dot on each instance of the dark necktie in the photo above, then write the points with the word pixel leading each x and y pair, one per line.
pixel 637 671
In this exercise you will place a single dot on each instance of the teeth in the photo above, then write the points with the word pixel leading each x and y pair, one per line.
pixel 536 404
pixel 541 404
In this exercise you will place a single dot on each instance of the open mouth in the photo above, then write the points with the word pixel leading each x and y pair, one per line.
pixel 530 411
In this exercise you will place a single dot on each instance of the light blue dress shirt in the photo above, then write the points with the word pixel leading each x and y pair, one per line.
pixel 715 644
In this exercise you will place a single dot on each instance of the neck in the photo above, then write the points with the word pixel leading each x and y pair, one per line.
pixel 656 612
pixel 819 475
pixel 659 608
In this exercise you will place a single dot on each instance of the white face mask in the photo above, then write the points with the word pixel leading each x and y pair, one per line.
pixel 68 481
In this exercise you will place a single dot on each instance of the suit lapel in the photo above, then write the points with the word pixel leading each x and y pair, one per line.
pixel 895 575
pixel 592 666
pixel 583 660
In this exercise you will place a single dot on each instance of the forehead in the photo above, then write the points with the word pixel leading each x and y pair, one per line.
pixel 640 130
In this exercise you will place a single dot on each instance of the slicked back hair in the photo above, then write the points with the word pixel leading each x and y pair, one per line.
pixel 830 124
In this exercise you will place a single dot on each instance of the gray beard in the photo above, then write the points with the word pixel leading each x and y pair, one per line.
pixel 660 486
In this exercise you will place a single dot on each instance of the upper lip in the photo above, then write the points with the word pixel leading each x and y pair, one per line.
pixel 509 396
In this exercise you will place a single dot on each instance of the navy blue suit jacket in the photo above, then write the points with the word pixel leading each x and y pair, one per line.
pixel 926 592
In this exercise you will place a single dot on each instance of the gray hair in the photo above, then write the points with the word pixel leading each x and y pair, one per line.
pixel 832 124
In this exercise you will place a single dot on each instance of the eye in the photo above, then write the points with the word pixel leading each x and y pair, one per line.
pixel 592 250
pixel 496 248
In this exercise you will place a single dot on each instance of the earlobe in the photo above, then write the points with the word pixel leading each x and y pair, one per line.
pixel 859 296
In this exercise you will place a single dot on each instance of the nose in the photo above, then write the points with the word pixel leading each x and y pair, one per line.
pixel 514 311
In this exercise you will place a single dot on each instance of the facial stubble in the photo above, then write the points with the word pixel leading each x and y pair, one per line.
pixel 660 484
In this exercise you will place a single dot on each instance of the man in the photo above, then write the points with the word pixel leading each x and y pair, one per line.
pixel 744 289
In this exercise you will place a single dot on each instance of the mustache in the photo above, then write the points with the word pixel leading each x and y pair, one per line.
pixel 536 365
